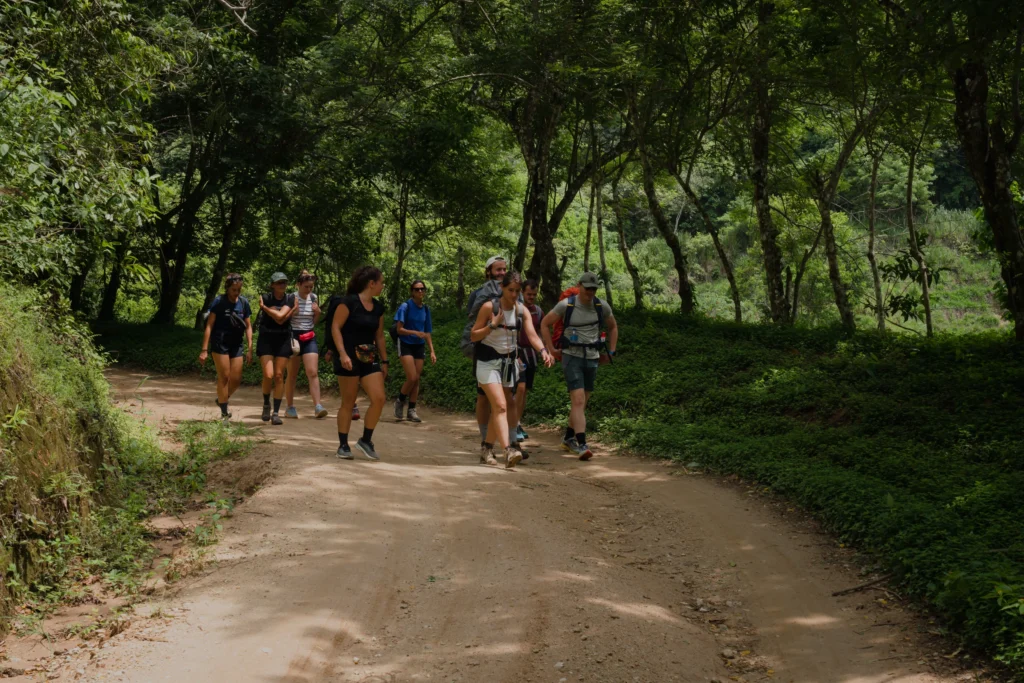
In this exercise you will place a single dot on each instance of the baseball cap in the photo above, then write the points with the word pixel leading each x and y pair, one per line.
pixel 277 277
pixel 589 280
pixel 490 261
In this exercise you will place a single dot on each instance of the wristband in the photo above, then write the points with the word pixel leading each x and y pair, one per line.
pixel 206 350
pixel 611 352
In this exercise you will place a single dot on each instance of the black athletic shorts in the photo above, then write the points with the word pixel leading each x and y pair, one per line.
pixel 226 345
pixel 306 346
pixel 277 344
pixel 417 351
pixel 359 368
pixel 527 376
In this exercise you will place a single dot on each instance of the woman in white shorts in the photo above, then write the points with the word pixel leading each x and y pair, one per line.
pixel 496 333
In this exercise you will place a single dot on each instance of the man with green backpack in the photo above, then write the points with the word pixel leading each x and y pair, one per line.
pixel 581 347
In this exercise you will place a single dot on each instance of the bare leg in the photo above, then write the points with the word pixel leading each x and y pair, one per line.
pixel 577 414
pixel 412 376
pixel 279 365
pixel 512 415
pixel 415 392
pixel 293 377
pixel 349 387
pixel 235 378
pixel 498 425
pixel 267 365
pixel 222 362
pixel 373 386
pixel 311 362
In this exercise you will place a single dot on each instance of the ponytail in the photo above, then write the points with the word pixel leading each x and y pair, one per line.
pixel 362 277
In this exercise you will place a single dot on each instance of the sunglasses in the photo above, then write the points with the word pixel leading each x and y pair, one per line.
pixel 590 289
pixel 419 289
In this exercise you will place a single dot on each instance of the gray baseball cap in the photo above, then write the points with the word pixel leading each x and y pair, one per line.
pixel 277 277
pixel 589 280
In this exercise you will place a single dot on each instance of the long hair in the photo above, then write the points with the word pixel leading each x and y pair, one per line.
pixel 305 276
pixel 231 279
pixel 362 277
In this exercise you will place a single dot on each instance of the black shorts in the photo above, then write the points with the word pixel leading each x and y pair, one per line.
pixel 527 376
pixel 306 346
pixel 417 351
pixel 359 368
pixel 277 344
pixel 226 345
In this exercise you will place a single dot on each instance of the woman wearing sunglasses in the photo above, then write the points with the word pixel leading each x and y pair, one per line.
pixel 306 316
pixel 414 327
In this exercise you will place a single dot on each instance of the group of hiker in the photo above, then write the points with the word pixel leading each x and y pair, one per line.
pixel 507 336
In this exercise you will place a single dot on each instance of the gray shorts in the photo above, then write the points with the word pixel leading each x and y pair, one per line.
pixel 579 372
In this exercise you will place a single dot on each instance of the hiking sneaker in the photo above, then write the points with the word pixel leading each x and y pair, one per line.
pixel 266 413
pixel 523 436
pixel 344 452
pixel 583 451
pixel 413 416
pixel 320 411
pixel 367 448
pixel 292 413
pixel 275 419
pixel 399 409
pixel 512 457
pixel 355 412
pixel 226 417
pixel 484 451
pixel 571 445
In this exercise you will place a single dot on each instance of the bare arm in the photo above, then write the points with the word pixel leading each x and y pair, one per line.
pixel 205 348
pixel 340 316
pixel 482 327
pixel 248 338
pixel 278 315
pixel 400 327
pixel 613 333
pixel 545 329
pixel 382 347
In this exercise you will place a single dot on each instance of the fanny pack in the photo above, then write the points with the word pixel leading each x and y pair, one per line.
pixel 306 336
pixel 366 353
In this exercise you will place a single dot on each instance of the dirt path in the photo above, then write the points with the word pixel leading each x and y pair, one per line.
pixel 429 567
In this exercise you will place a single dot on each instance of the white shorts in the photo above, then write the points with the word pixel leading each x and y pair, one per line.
pixel 489 372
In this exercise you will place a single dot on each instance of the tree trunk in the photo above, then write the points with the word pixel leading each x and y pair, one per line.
pixel 395 290
pixel 524 235
pixel 876 278
pixel 544 265
pixel 760 151
pixel 600 243
pixel 231 228
pixel 989 154
pixel 76 294
pixel 460 285
pixel 620 225
pixel 834 275
pixel 590 228
pixel 686 300
pixel 110 292
pixel 709 225
pixel 915 247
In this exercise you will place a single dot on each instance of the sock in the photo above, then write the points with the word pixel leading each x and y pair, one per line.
pixel 266 399
pixel 412 405
pixel 401 397
pixel 488 446
pixel 277 404
pixel 367 435
pixel 342 439
pixel 483 431
pixel 581 438
pixel 223 407
pixel 569 433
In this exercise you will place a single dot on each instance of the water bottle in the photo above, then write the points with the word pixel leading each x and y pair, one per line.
pixel 573 336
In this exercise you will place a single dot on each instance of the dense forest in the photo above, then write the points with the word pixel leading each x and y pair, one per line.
pixel 837 162
pixel 806 215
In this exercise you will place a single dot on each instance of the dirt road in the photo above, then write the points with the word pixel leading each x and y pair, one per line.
pixel 429 567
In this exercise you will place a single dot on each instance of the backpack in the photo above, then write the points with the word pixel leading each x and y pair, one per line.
pixel 561 341
pixel 489 291
pixel 332 306
pixel 393 330
pixel 236 320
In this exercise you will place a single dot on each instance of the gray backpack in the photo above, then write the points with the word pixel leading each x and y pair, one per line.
pixel 489 291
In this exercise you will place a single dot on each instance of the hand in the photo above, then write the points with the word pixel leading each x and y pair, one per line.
pixel 421 335
pixel 328 355
pixel 346 362
pixel 316 308
pixel 557 355
pixel 384 370
pixel 433 357
pixel 203 355
pixel 262 305
pixel 548 359
pixel 248 357
pixel 496 320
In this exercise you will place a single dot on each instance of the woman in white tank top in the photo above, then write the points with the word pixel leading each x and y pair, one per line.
pixel 303 321
pixel 495 334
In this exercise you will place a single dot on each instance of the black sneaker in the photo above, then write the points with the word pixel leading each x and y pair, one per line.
pixel 367 448
pixel 266 413
pixel 344 452
pixel 399 409
pixel 275 419
pixel 413 416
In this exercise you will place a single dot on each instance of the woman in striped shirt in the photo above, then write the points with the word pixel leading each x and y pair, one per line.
pixel 304 319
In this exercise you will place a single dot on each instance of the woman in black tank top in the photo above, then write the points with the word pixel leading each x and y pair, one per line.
pixel 274 345
pixel 357 329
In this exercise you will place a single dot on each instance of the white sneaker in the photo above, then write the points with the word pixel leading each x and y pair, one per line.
pixel 512 457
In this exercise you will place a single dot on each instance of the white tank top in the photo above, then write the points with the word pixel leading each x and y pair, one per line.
pixel 302 321
pixel 503 340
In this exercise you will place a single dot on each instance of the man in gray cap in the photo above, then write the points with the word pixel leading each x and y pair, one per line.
pixel 580 348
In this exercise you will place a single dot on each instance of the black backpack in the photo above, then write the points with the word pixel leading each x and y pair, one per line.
pixel 289 301
pixel 393 330
pixel 570 305
pixel 332 306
